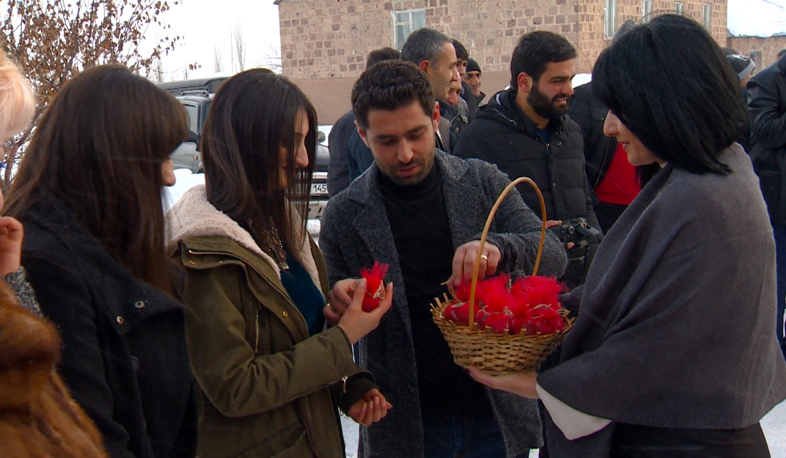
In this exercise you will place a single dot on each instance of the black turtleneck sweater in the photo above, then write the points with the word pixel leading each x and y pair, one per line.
pixel 421 231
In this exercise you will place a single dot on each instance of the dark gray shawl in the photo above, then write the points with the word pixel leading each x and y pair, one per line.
pixel 676 319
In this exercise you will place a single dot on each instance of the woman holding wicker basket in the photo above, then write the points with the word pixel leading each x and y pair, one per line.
pixel 672 352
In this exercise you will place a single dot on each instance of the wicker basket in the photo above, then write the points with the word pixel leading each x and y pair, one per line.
pixel 498 353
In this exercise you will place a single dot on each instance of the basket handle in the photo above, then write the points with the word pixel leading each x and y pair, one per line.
pixel 490 218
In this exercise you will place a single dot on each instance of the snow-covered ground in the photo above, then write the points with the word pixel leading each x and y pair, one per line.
pixel 774 426
pixel 184 180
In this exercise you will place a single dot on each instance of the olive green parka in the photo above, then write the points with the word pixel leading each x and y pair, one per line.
pixel 266 388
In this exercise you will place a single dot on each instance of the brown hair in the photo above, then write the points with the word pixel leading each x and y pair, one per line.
pixel 388 86
pixel 253 114
pixel 99 149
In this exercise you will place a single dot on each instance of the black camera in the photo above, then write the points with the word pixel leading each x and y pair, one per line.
pixel 577 231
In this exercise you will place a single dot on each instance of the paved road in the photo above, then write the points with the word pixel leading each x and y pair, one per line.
pixel 774 426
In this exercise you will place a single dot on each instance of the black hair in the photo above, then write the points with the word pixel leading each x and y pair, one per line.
pixel 424 44
pixel 252 116
pixel 670 84
pixel 390 85
pixel 461 51
pixel 534 51
pixel 98 149
pixel 378 55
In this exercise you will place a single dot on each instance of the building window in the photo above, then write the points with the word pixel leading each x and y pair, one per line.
pixel 406 22
pixel 646 11
pixel 610 18
pixel 678 7
pixel 707 16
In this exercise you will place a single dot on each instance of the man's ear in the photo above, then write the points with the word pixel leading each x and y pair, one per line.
pixel 524 83
pixel 435 116
pixel 362 133
pixel 424 66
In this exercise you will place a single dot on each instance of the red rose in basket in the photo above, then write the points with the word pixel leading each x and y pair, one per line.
pixel 529 304
pixel 375 287
pixel 499 325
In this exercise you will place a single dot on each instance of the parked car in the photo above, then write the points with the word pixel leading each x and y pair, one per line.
pixel 207 85
pixel 187 155
pixel 319 192
pixel 196 96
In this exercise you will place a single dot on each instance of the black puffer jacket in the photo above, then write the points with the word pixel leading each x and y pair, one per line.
pixel 469 97
pixel 450 124
pixel 503 135
pixel 767 107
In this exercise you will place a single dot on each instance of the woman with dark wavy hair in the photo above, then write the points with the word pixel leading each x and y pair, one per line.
pixel 270 375
pixel 672 353
pixel 88 192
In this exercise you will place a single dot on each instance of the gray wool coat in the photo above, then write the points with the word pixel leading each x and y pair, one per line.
pixel 355 233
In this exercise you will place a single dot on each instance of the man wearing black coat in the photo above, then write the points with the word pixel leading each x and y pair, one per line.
pixel 466 92
pixel 524 131
pixel 434 54
pixel 767 107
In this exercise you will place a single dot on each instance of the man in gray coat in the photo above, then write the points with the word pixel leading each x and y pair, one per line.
pixel 422 211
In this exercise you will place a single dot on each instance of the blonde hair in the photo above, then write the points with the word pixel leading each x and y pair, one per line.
pixel 17 102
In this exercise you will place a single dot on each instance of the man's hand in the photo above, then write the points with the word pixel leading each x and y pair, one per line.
pixel 371 408
pixel 464 262
pixel 11 235
pixel 338 300
pixel 520 383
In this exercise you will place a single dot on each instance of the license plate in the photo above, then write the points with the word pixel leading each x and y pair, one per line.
pixel 319 189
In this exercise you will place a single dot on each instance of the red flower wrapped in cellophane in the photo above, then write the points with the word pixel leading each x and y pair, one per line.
pixel 375 287
pixel 507 326
pixel 528 305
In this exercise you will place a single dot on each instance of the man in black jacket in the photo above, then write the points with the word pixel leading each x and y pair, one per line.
pixel 767 107
pixel 472 77
pixel 466 92
pixel 434 54
pixel 524 131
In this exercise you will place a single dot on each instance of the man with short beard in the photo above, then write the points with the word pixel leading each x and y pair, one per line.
pixel 524 131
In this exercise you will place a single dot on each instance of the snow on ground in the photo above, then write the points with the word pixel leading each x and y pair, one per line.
pixel 185 180
pixel 756 18
pixel 774 426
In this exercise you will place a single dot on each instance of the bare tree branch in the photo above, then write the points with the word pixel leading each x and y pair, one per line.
pixel 54 40
pixel 218 64
pixel 240 48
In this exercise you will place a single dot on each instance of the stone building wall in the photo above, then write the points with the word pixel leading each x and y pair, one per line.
pixel 331 38
pixel 767 48
pixel 324 43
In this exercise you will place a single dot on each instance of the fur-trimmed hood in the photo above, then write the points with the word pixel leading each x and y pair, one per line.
pixel 194 216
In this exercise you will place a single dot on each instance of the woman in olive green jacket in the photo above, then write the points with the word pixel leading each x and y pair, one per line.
pixel 270 375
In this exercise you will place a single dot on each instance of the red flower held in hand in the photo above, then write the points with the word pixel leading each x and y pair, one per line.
pixel 375 287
